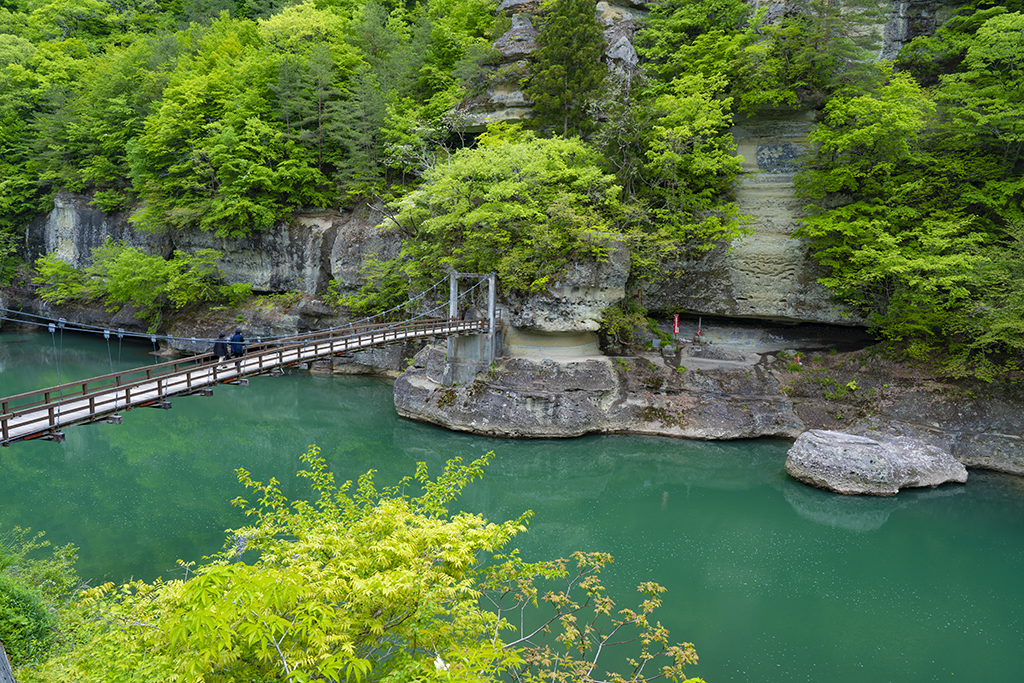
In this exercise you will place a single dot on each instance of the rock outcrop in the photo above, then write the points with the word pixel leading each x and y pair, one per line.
pixel 768 274
pixel 909 19
pixel 544 398
pixel 575 302
pixel 749 382
pixel 851 464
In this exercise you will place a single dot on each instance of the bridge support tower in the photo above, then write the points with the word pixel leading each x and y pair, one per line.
pixel 472 353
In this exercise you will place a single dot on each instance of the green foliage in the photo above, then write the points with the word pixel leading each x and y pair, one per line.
pixel 31 592
pixel 905 262
pixel 522 209
pixel 8 255
pixel 583 616
pixel 672 148
pixel 211 156
pixel 62 282
pixel 681 36
pixel 622 322
pixel 929 57
pixel 253 110
pixel 921 215
pixel 815 49
pixel 125 276
pixel 361 583
pixel 386 286
pixel 690 163
pixel 332 295
pixel 567 70
pixel 26 628
pixel 986 99
pixel 52 577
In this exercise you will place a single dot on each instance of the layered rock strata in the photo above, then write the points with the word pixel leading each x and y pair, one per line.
pixel 768 274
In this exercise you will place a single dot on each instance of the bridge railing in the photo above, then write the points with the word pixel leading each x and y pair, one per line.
pixel 106 391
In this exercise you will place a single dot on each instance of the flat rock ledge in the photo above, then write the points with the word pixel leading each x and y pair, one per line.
pixel 547 398
pixel 850 464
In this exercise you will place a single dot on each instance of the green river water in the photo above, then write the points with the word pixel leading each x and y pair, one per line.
pixel 771 580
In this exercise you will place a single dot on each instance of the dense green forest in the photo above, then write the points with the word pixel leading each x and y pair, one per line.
pixel 231 115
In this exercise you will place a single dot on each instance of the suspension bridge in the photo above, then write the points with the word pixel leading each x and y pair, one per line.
pixel 45 413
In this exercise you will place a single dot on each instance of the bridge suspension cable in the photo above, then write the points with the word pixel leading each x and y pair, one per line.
pixel 33 319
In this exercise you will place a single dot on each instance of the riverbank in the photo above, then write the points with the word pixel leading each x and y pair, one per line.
pixel 738 389
pixel 753 380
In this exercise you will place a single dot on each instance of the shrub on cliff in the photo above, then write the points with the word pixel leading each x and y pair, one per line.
pixel 923 225
pixel 124 276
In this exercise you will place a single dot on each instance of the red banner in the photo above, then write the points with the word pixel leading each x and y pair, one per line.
pixel 675 325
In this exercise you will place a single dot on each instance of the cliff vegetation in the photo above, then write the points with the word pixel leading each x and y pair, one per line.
pixel 230 116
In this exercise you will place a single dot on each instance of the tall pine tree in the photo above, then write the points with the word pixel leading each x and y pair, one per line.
pixel 567 72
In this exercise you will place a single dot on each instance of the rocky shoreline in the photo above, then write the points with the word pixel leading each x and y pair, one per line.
pixel 765 394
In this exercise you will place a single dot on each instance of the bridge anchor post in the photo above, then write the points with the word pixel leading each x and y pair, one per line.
pixel 469 354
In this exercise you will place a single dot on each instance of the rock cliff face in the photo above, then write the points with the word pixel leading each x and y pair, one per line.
pixel 73 229
pixel 575 302
pixel 298 256
pixel 909 19
pixel 768 274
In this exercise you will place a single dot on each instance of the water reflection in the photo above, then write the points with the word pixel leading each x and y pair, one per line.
pixel 858 513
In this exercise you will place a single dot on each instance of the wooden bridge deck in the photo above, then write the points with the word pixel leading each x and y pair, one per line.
pixel 43 413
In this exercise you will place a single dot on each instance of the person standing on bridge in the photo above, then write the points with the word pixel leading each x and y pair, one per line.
pixel 220 348
pixel 237 344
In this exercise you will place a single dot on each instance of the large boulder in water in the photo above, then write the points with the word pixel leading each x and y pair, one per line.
pixel 850 464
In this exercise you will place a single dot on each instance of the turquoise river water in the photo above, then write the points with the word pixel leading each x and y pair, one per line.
pixel 771 580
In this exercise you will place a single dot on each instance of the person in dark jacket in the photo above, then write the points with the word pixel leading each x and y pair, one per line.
pixel 237 344
pixel 220 348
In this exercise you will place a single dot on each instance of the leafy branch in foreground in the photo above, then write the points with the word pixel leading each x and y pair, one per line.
pixel 586 623
pixel 362 584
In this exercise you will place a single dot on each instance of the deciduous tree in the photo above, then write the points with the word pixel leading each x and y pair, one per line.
pixel 368 584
